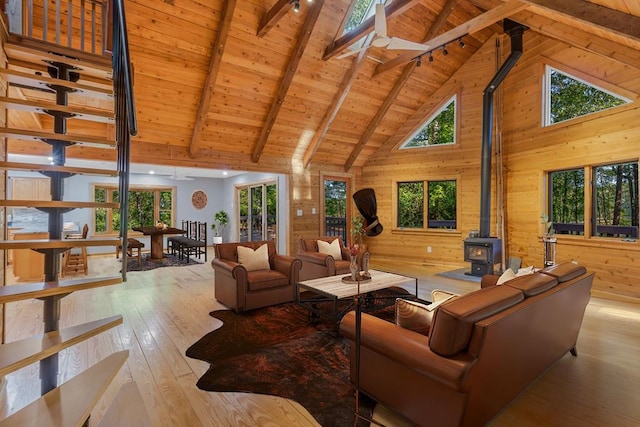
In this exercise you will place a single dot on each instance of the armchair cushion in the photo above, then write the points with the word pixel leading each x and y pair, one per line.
pixel 334 249
pixel 254 260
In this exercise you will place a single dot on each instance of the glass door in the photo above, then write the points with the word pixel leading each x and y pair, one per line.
pixel 258 212
pixel 336 212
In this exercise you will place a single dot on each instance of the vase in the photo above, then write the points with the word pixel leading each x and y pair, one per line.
pixel 353 266
pixel 549 241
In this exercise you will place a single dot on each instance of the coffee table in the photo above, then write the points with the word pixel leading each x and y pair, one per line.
pixel 310 293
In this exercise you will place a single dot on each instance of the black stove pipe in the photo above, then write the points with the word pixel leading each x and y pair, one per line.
pixel 515 31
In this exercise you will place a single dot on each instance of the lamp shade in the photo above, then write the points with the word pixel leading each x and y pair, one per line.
pixel 365 200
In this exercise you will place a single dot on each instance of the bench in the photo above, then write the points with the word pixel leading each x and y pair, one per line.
pixel 194 243
pixel 131 245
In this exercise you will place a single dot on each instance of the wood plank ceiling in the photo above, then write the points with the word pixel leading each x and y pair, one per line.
pixel 251 84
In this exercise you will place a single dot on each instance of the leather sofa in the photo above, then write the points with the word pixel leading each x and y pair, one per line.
pixel 483 348
pixel 243 290
pixel 316 264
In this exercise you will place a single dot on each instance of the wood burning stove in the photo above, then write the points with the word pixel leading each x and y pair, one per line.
pixel 482 253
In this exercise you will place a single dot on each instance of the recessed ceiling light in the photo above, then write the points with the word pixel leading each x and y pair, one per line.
pixel 151 172
pixel 225 173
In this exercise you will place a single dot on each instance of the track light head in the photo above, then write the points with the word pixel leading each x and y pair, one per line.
pixel 430 56
pixel 296 5
pixel 419 61
pixel 445 52
pixel 461 43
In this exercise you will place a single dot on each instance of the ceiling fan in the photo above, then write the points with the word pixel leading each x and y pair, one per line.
pixel 380 38
pixel 179 177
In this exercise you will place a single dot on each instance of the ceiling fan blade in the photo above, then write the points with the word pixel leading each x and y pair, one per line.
pixel 380 24
pixel 401 44
pixel 351 52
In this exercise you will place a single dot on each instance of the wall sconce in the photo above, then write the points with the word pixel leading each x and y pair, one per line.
pixel 296 5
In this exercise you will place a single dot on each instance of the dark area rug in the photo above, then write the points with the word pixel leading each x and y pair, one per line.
pixel 277 351
pixel 169 261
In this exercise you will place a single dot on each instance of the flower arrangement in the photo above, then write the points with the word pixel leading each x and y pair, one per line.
pixel 353 250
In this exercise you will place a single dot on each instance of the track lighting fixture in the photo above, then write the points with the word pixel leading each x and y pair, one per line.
pixel 444 50
pixel 430 56
pixel 296 5
pixel 461 43
pixel 419 61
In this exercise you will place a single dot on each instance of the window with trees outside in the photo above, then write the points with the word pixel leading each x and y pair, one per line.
pixel 439 201
pixel 614 206
pixel 439 129
pixel 568 97
pixel 361 10
pixel 146 206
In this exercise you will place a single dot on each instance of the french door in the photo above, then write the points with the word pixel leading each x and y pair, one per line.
pixel 336 212
pixel 258 212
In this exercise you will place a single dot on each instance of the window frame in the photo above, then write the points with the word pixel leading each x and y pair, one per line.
pixel 441 107
pixel 110 188
pixel 425 229
pixel 598 84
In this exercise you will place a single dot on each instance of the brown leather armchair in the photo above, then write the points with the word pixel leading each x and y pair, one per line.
pixel 316 264
pixel 243 290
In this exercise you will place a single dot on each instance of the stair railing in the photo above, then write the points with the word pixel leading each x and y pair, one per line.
pixel 125 110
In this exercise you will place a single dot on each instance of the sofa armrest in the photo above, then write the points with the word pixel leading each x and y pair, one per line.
pixel 314 257
pixel 489 280
pixel 289 266
pixel 409 349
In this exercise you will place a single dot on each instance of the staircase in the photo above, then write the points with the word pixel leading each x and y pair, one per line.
pixel 60 85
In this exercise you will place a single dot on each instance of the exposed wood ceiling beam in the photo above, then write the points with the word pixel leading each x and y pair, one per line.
pixel 283 87
pixel 365 28
pixel 332 110
pixel 271 18
pixel 572 36
pixel 473 25
pixel 210 82
pixel 610 20
pixel 438 24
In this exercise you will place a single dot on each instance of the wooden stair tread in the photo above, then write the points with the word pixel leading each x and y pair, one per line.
pixel 127 409
pixel 38 51
pixel 43 82
pixel 72 402
pixel 58 204
pixel 34 135
pixel 18 354
pixel 59 243
pixel 13 293
pixel 55 168
pixel 38 106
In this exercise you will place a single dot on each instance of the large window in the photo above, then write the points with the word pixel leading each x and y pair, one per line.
pixel 568 97
pixel 439 202
pixel 146 207
pixel 613 211
pixel 439 129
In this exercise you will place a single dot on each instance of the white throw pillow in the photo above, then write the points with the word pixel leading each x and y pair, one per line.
pixel 506 276
pixel 254 260
pixel 332 248
pixel 525 271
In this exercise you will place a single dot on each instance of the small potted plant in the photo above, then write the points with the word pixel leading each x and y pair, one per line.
pixel 221 219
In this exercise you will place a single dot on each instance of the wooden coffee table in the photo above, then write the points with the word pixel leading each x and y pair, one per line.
pixel 311 293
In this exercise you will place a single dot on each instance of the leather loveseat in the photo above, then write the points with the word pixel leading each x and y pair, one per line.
pixel 242 290
pixel 316 264
pixel 482 350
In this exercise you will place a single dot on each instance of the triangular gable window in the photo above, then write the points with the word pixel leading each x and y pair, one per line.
pixel 568 97
pixel 439 129
pixel 361 11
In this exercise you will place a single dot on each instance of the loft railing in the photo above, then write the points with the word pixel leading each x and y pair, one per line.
pixel 76 24
pixel 125 110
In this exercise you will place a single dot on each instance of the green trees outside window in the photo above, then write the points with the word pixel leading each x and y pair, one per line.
pixel 614 207
pixel 146 207
pixel 569 97
pixel 441 204
pixel 439 129
pixel 358 14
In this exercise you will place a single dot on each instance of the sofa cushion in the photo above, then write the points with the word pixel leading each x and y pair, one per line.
pixel 565 272
pixel 254 260
pixel 413 315
pixel 332 248
pixel 265 279
pixel 533 284
pixel 453 322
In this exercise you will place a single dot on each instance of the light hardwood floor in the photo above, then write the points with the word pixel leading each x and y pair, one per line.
pixel 166 310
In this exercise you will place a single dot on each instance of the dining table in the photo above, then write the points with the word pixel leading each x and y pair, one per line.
pixel 156 234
